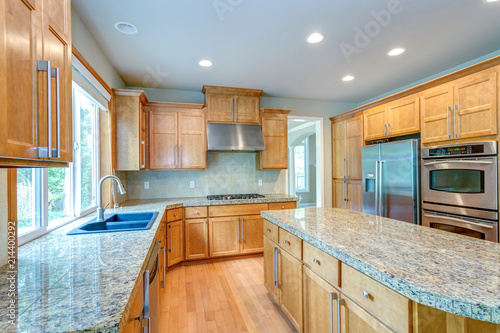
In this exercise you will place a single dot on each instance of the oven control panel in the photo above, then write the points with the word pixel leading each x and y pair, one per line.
pixel 478 148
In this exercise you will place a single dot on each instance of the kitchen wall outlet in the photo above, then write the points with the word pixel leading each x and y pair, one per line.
pixel 260 182
pixel 146 185
pixel 191 184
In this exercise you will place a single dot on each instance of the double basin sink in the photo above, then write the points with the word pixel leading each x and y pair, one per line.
pixel 117 222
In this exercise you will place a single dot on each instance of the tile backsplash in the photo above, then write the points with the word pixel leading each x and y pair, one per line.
pixel 227 173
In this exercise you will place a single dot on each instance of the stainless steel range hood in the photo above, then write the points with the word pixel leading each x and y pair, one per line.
pixel 234 137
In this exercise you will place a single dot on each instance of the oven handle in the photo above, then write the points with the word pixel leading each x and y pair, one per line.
pixel 459 220
pixel 458 161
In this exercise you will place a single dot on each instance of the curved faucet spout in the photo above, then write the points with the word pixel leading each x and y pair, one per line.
pixel 100 209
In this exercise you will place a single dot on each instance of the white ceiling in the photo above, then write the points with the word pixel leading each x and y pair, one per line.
pixel 261 43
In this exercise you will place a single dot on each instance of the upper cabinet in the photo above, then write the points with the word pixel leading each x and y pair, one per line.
pixel 465 108
pixel 177 136
pixel 397 118
pixel 35 76
pixel 347 141
pixel 130 127
pixel 232 105
pixel 275 133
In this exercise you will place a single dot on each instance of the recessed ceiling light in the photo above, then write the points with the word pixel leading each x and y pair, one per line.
pixel 395 52
pixel 315 38
pixel 490 1
pixel 205 63
pixel 348 78
pixel 126 28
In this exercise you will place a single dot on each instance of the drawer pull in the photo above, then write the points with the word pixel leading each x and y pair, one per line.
pixel 316 261
pixel 282 207
pixel 269 230
pixel 366 294
pixel 196 213
pixel 287 242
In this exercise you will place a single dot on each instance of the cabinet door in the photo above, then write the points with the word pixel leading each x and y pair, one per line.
pixel 247 109
pixel 275 133
pixel 339 193
pixel 252 236
pixel 476 105
pixel 224 236
pixel 143 151
pixel 403 116
pixel 164 151
pixel 192 140
pixel 290 284
pixel 270 269
pixel 21 22
pixel 339 149
pixel 220 108
pixel 196 231
pixel 437 114
pixel 175 240
pixel 375 123
pixel 353 319
pixel 320 304
pixel 57 49
pixel 354 143
pixel 355 195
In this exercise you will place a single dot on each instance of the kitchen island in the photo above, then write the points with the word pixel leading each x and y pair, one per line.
pixel 427 268
pixel 88 282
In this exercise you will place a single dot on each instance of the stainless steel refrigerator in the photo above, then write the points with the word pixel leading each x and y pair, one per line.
pixel 391 186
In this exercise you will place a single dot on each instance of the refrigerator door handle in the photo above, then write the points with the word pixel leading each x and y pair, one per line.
pixel 380 184
pixel 376 186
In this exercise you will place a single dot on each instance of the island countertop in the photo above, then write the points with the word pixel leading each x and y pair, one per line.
pixel 85 282
pixel 450 272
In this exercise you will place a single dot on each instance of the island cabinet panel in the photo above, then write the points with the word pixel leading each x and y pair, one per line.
pixel 162 261
pixel 320 304
pixel 270 268
pixel 390 307
pixel 290 243
pixel 290 286
pixel 322 263
pixel 271 231
pixel 224 236
pixel 196 233
pixel 175 243
pixel 251 240
pixel 354 319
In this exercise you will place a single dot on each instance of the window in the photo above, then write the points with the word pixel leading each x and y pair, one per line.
pixel 300 163
pixel 50 197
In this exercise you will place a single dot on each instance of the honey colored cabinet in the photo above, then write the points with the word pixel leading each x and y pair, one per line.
pixel 347 141
pixel 348 194
pixel 354 319
pixel 177 136
pixel 290 285
pixel 461 109
pixel 162 257
pixel 196 232
pixel 35 71
pixel 270 267
pixel 130 123
pixel 275 133
pixel 397 118
pixel 224 236
pixel 175 243
pixel 251 240
pixel 232 105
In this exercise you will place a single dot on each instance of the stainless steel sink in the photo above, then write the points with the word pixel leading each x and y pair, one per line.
pixel 117 222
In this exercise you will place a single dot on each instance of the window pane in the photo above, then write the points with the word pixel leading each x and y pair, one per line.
pixel 26 217
pixel 59 195
pixel 300 167
pixel 86 151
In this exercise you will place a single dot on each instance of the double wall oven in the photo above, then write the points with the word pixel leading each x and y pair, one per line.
pixel 460 189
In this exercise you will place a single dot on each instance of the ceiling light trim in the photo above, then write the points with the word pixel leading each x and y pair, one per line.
pixel 315 38
pixel 126 28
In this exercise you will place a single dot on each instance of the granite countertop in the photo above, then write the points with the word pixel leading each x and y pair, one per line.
pixel 84 282
pixel 450 272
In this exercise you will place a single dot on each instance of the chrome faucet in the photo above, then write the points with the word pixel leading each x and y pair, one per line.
pixel 100 210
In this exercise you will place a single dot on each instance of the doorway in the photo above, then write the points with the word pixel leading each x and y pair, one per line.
pixel 305 160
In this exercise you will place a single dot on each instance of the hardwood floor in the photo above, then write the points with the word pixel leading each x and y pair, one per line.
pixel 225 296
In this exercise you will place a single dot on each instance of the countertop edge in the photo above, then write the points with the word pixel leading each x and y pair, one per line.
pixel 452 305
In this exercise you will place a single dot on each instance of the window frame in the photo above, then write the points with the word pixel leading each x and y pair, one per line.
pixel 305 144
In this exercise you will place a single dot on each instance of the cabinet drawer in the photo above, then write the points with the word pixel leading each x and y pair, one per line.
pixel 282 205
pixel 291 243
pixel 174 214
pixel 195 212
pixel 271 231
pixel 388 306
pixel 236 210
pixel 322 263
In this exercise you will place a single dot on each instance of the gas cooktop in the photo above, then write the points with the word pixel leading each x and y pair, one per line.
pixel 234 196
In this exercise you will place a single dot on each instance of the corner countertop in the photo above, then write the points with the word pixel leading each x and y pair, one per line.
pixel 450 272
pixel 86 282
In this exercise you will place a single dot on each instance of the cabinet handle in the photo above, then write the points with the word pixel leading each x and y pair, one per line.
pixel 282 207
pixel 264 157
pixel 274 267
pixel 175 156
pixel 340 302
pixel 162 251
pixel 287 242
pixel 55 72
pixel 343 167
pixel 205 233
pixel 385 129
pixel 448 110
pixel 170 229
pixel 236 108
pixel 44 66
pixel 366 294
pixel 238 228
pixel 316 261
pixel 455 111
pixel 143 166
pixel 269 230
pixel 232 109
pixel 196 213
pixel 278 285
pixel 333 296
pixel 242 232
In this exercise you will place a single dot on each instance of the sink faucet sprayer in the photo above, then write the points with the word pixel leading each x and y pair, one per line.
pixel 100 210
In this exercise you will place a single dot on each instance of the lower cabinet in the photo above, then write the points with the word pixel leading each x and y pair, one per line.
pixel 175 243
pixel 353 319
pixel 196 231
pixel 348 194
pixel 270 262
pixel 252 240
